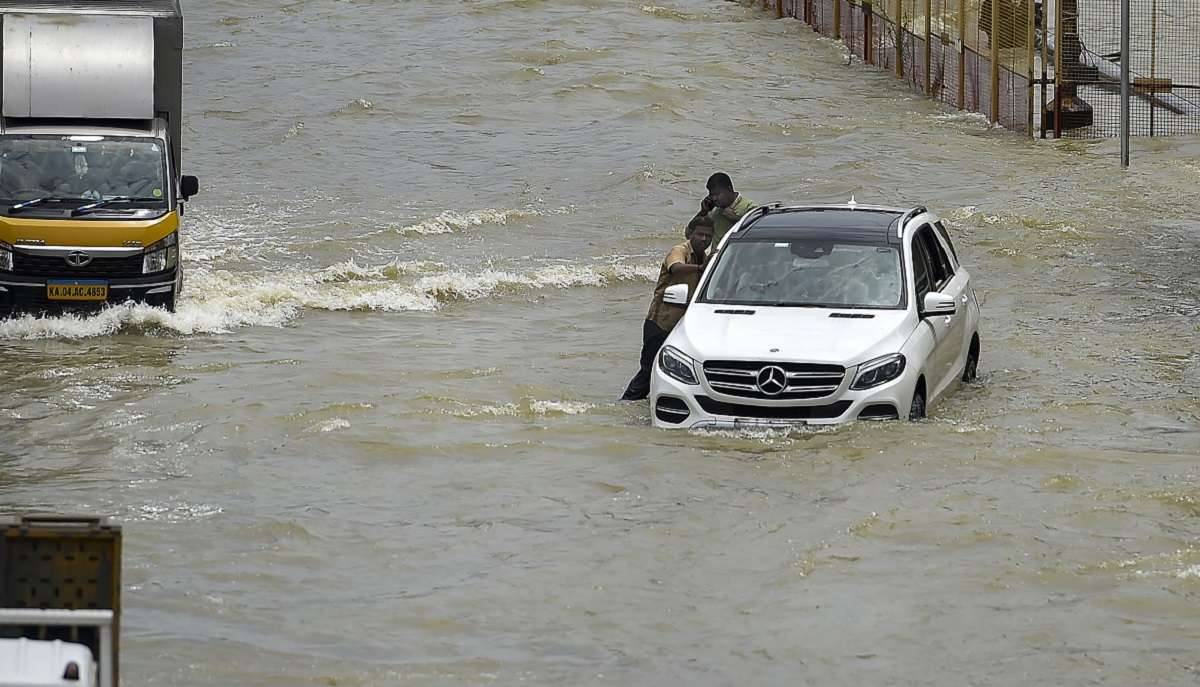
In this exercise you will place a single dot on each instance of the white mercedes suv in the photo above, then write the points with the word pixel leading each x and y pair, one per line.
pixel 820 314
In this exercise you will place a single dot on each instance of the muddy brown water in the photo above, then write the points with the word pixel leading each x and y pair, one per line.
pixel 378 443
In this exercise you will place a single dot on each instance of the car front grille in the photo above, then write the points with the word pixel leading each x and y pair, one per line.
pixel 742 410
pixel 804 380
pixel 52 266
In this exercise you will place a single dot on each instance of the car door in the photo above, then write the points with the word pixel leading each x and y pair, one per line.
pixel 966 300
pixel 923 281
pixel 951 351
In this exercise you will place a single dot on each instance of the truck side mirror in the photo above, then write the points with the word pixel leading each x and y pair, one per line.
pixel 188 186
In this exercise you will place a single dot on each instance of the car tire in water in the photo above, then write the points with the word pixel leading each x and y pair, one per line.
pixel 971 369
pixel 916 411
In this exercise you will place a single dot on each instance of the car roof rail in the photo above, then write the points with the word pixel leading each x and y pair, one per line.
pixel 912 212
pixel 757 213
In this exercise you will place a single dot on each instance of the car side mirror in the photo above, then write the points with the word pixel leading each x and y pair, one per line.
pixel 937 303
pixel 188 186
pixel 676 294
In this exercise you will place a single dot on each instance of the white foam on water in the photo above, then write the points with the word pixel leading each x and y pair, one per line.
pixel 560 407
pixel 668 13
pixel 175 512
pixel 219 301
pixel 962 117
pixel 450 221
pixel 1192 571
pixel 463 286
pixel 331 425
pixel 529 407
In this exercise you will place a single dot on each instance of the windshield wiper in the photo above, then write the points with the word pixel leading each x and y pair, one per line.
pixel 26 204
pixel 83 209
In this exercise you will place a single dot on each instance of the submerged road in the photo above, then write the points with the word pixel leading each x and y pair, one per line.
pixel 378 443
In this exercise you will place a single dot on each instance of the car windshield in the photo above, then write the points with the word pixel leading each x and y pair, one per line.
pixel 806 272
pixel 61 169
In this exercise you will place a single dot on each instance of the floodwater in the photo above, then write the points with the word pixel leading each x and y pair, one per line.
pixel 378 443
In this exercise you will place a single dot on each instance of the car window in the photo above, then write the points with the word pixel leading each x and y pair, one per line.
pixel 940 269
pixel 809 272
pixel 921 276
pixel 946 237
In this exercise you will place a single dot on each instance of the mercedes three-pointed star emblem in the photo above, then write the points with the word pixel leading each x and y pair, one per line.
pixel 772 380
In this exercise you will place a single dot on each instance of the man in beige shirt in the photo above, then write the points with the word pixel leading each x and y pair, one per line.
pixel 723 205
pixel 684 265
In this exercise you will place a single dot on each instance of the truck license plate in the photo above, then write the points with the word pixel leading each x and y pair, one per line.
pixel 77 290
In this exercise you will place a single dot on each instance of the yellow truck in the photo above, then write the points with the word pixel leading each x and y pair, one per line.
pixel 91 193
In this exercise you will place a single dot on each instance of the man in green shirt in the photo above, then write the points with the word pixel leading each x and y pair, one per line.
pixel 723 205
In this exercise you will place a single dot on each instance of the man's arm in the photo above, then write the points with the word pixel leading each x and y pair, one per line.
pixel 685 268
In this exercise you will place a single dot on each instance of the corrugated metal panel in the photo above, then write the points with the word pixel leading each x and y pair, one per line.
pixel 147 7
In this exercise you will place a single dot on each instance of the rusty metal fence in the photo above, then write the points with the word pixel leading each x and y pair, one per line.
pixel 999 58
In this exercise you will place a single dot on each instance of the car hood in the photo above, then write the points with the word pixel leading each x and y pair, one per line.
pixel 723 332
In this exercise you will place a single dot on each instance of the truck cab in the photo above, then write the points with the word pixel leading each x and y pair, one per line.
pixel 91 194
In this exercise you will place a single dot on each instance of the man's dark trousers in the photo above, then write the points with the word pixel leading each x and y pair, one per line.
pixel 653 337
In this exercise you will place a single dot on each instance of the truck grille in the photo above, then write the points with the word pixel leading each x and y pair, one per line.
pixel 803 380
pixel 26 265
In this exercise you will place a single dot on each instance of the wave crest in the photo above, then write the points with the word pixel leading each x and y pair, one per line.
pixel 218 301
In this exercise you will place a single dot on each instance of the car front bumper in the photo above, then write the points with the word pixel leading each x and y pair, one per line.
pixel 675 405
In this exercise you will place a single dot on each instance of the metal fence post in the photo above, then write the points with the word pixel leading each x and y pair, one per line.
pixel 1029 41
pixel 928 47
pixel 1045 74
pixel 994 40
pixel 868 26
pixel 1058 80
pixel 1125 83
pixel 962 54
pixel 1153 60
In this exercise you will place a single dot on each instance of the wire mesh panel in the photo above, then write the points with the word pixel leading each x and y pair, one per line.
pixel 942 48
pixel 1013 59
pixel 1082 46
pixel 823 16
pixel 884 43
pixel 977 94
pixel 853 30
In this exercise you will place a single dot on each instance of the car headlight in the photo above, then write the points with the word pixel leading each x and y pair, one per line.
pixel 161 255
pixel 879 371
pixel 677 366
pixel 5 257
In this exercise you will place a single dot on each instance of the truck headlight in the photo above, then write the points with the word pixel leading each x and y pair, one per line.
pixel 677 366
pixel 5 257
pixel 161 255
pixel 879 371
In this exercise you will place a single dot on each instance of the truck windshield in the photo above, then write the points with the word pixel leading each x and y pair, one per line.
pixel 806 272
pixel 86 169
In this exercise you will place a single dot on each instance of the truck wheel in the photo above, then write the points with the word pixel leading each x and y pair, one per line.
pixel 167 302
